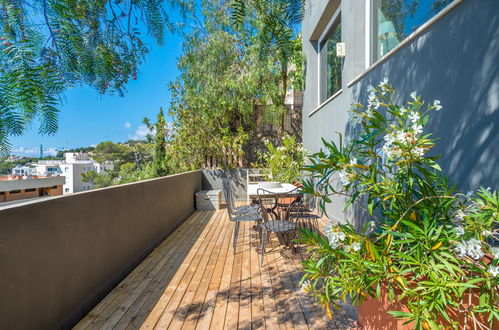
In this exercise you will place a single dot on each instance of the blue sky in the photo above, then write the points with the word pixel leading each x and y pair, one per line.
pixel 87 118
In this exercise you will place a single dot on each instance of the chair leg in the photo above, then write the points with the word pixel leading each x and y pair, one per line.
pixel 262 247
pixel 234 236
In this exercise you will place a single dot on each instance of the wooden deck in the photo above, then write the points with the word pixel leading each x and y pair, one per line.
pixel 193 279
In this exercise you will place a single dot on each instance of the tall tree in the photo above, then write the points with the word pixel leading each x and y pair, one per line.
pixel 214 99
pixel 160 131
pixel 277 22
pixel 47 46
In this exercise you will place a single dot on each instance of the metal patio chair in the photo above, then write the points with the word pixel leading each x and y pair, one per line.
pixel 272 223
pixel 238 216
pixel 230 201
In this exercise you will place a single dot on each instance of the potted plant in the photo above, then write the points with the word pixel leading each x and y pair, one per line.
pixel 283 163
pixel 424 256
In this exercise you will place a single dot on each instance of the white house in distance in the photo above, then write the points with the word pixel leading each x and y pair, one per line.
pixel 71 167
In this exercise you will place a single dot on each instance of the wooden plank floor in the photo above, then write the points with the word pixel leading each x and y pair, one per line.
pixel 194 279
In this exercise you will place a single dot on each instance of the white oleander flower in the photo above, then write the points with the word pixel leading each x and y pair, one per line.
pixel 353 161
pixel 461 249
pixel 371 96
pixel 459 231
pixel 370 88
pixel 414 117
pixel 418 129
pixel 373 102
pixel 495 252
pixel 437 105
pixel 475 248
pixel 494 270
pixel 471 248
pixel 486 233
pixel 334 237
pixel 389 138
pixel 306 286
pixel 344 177
pixel 401 137
pixel 469 193
pixel 384 82
pixel 402 110
pixel 460 214
pixel 356 246
pixel 413 95
pixel 419 151
pixel 369 112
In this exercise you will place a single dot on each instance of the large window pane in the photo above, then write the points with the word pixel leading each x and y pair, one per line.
pixel 330 63
pixel 394 20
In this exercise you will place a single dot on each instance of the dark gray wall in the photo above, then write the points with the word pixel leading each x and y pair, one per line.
pixel 213 179
pixel 454 60
pixel 59 257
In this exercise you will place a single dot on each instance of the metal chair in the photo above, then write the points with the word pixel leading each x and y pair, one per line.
pixel 238 218
pixel 271 223
pixel 308 212
pixel 283 202
pixel 237 210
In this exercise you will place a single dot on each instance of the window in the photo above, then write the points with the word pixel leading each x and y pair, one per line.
pixel 30 190
pixel 394 20
pixel 66 169
pixel 66 190
pixel 53 187
pixel 15 191
pixel 329 64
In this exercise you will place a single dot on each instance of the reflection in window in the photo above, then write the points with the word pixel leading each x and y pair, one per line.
pixel 394 20
pixel 330 63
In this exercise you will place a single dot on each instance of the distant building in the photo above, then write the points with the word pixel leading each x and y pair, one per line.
pixel 72 167
pixel 22 170
pixel 16 187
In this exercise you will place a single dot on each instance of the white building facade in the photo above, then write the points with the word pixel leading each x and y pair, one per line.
pixel 72 167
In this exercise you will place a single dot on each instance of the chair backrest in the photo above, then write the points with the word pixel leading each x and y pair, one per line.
pixel 267 204
pixel 228 200
pixel 276 225
pixel 294 211
pixel 230 192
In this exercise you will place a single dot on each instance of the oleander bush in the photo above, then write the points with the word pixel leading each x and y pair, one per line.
pixel 283 163
pixel 427 245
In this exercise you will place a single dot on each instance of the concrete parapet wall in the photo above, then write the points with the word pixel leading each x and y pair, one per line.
pixel 59 257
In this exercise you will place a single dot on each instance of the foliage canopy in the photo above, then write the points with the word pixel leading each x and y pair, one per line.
pixel 48 46
pixel 224 75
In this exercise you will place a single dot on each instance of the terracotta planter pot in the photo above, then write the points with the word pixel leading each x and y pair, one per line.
pixel 373 313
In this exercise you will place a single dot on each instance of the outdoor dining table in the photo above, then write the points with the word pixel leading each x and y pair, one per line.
pixel 285 191
pixel 281 195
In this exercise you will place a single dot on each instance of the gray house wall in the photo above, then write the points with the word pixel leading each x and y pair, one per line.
pixel 455 59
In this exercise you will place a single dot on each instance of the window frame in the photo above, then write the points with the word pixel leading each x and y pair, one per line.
pixel 370 56
pixel 335 19
pixel 369 64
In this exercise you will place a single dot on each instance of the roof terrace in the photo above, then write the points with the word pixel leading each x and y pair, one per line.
pixel 193 279
pixel 139 256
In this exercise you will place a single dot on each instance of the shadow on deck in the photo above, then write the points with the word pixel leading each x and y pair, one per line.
pixel 194 279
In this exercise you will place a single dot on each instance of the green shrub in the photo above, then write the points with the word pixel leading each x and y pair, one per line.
pixel 425 244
